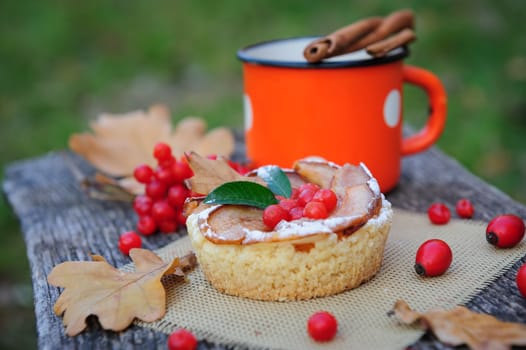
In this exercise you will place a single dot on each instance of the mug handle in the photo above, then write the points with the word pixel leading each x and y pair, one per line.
pixel 436 93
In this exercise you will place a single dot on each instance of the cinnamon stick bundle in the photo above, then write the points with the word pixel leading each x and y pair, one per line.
pixel 376 34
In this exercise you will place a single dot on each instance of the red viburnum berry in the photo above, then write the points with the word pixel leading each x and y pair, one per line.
pixel 273 214
pixel 182 339
pixel 464 208
pixel 143 173
pixel 327 197
pixel 315 210
pixel 129 240
pixel 177 194
pixel 142 205
pixel 162 151
pixel 439 214
pixel 322 326
pixel 146 225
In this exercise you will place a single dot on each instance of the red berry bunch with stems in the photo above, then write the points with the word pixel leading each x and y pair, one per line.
pixel 307 201
pixel 160 208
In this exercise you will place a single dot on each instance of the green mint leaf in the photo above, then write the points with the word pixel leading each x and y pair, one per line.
pixel 277 181
pixel 242 193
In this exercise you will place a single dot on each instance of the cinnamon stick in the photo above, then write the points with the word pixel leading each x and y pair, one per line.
pixel 382 47
pixel 362 34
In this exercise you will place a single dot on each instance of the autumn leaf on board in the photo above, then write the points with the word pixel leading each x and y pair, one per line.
pixel 463 326
pixel 211 173
pixel 115 297
pixel 120 142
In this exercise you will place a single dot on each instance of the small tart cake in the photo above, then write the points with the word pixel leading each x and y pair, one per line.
pixel 298 259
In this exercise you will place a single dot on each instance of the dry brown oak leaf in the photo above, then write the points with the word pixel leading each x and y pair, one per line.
pixel 115 297
pixel 463 326
pixel 120 142
pixel 211 173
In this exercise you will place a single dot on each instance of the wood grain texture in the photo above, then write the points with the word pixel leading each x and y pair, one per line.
pixel 59 223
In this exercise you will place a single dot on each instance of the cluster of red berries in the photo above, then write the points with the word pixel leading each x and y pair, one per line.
pixel 160 208
pixel 309 201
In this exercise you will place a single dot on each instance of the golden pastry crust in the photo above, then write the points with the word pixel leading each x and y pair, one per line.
pixel 315 266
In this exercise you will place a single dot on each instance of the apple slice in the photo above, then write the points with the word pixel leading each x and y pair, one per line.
pixel 317 171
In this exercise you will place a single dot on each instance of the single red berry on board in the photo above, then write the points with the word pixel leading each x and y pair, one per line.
pixel 142 205
pixel 521 280
pixel 433 258
pixel 156 189
pixel 322 326
pixel 129 240
pixel 162 151
pixel 439 214
pixel 465 208
pixel 273 214
pixel 315 210
pixel 327 197
pixel 143 173
pixel 177 194
pixel 146 225
pixel 505 231
pixel 182 339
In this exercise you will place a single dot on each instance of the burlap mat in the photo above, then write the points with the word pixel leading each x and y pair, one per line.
pixel 361 313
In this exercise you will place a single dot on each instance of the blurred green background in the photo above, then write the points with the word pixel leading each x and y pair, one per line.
pixel 64 62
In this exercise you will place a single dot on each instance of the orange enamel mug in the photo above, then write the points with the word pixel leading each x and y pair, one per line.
pixel 346 109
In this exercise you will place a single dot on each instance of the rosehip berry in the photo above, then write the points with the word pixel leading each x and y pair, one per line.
pixel 273 214
pixel 162 211
pixel 521 280
pixel 182 339
pixel 129 240
pixel 181 171
pixel 155 189
pixel 146 225
pixel 322 326
pixel 433 258
pixel 315 210
pixel 327 197
pixel 439 214
pixel 168 226
pixel 142 205
pixel 505 231
pixel 177 194
pixel 162 151
pixel 465 209
pixel 143 173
